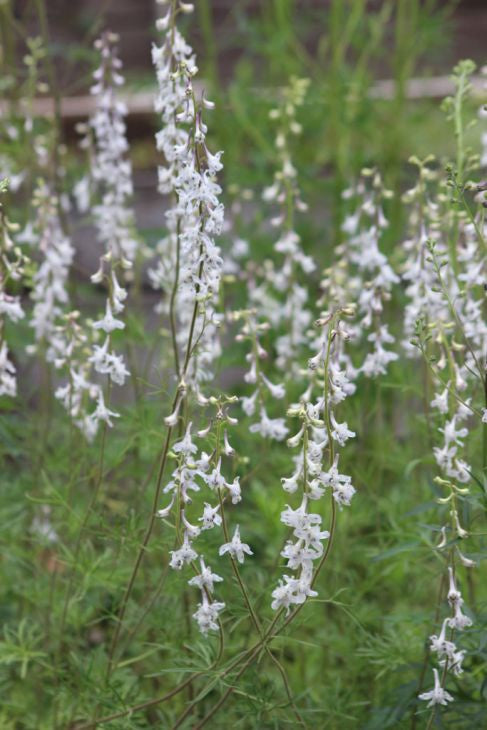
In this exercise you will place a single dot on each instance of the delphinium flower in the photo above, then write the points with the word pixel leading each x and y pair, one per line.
pixel 57 332
pixel 111 171
pixel 189 261
pixel 339 288
pixel 197 470
pixel 12 269
pixel 281 297
pixel 319 437
pixel 372 275
pixel 50 282
pixel 265 391
pixel 193 222
pixel 450 334
pixel 438 695
pixel 447 268
pixel 236 254
pixel 173 55
pixel 442 646
pixel 111 185
pixel 425 203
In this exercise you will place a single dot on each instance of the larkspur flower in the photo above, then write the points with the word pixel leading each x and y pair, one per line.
pixel 236 548
pixel 438 695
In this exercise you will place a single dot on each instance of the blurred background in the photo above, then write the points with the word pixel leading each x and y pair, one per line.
pixel 378 70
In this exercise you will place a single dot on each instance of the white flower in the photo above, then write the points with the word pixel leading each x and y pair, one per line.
pixel 440 645
pixel 210 517
pixel 236 547
pixel 454 662
pixel 452 434
pixel 235 490
pixel 8 383
pixel 454 595
pixel 102 413
pixel 341 484
pixel 467 562
pixel 292 591
pixel 42 526
pixel 228 450
pixel 459 621
pixel 11 307
pixel 440 401
pixel 283 595
pixel 277 391
pixel 119 294
pixel 108 323
pixel 185 446
pixel 206 579
pixel 50 281
pixel 108 363
pixel 341 432
pixel 162 513
pixel 299 518
pixel 273 428
pixel 248 404
pixel 207 614
pixel 190 531
pixel 438 695
pixel 185 554
pixel 291 484
pixel 111 170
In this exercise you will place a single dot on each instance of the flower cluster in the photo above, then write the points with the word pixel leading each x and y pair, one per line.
pixel 111 183
pixel 50 292
pixel 12 268
pixel 449 657
pixel 281 298
pixel 445 269
pixel 374 277
pixel 194 470
pixel 320 433
pixel 111 171
pixel 194 220
pixel 252 331
pixel 425 213
pixel 190 263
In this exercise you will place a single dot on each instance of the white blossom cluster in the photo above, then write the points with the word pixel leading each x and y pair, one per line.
pixel 237 253
pixel 252 331
pixel 12 267
pixel 194 470
pixel 50 292
pixel 449 657
pixel 374 277
pixel 425 214
pixel 445 298
pixel 111 181
pixel 448 456
pixel 281 298
pixel 445 273
pixel 189 273
pixel 195 217
pixel 169 58
pixel 111 170
pixel 321 434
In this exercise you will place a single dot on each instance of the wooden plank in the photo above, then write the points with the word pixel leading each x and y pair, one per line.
pixel 141 103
